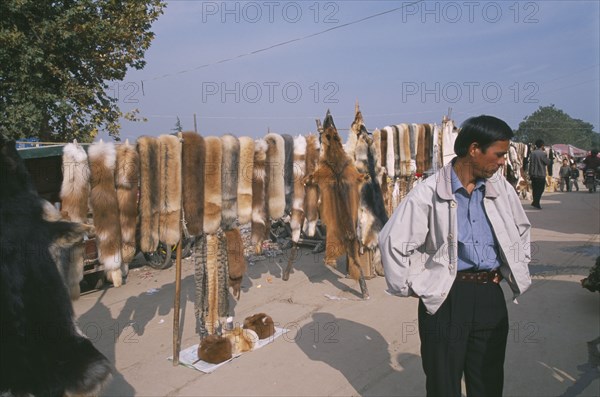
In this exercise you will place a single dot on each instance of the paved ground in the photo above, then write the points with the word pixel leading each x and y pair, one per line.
pixel 339 345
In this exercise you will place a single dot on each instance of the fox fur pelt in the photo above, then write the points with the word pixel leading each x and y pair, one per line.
pixel 149 154
pixel 299 166
pixel 275 184
pixel 169 231
pixel 229 180
pixel 259 205
pixel 212 185
pixel 390 162
pixel 244 192
pixel 75 189
pixel 242 340
pixel 126 180
pixel 260 323
pixel 339 184
pixel 215 349
pixel 404 147
pixel 311 189
pixel 236 260
pixel 288 172
pixel 212 282
pixel 42 353
pixel 193 153
pixel 105 207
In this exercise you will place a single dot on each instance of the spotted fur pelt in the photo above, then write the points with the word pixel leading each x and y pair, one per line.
pixel 275 183
pixel 244 193
pixel 169 228
pixel 192 179
pixel 105 207
pixel 212 185
pixel 229 180
pixel 148 209
pixel 299 167
pixel 126 180
pixel 75 188
pixel 236 260
pixel 259 205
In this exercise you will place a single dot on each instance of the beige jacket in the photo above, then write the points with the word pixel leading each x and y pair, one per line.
pixel 419 242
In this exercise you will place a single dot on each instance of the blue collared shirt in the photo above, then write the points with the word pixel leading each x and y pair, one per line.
pixel 477 247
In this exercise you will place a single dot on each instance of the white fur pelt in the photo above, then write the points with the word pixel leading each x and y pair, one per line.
pixel 149 154
pixel 311 189
pixel 105 207
pixel 212 185
pixel 299 165
pixel 170 189
pixel 75 189
pixel 390 160
pixel 229 180
pixel 244 192
pixel 193 153
pixel 126 182
pixel 275 177
pixel 259 205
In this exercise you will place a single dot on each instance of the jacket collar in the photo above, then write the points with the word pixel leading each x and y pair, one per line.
pixel 444 183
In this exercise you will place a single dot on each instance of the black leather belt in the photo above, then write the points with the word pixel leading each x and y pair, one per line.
pixel 493 276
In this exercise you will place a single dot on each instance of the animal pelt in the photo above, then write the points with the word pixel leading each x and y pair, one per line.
pixel 275 183
pixel 288 172
pixel 299 165
pixel 212 282
pixel 149 154
pixel 126 180
pixel 377 147
pixel 75 188
pixel 105 208
pixel 193 153
pixel 421 148
pixel 413 131
pixel 244 193
pixel 311 189
pixel 242 340
pixel 339 184
pixel 260 323
pixel 259 205
pixel 236 259
pixel 230 159
pixel 404 148
pixel 42 352
pixel 212 185
pixel 390 162
pixel 215 349
pixel 385 179
pixel 169 231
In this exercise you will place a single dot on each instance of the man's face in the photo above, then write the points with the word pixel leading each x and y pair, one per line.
pixel 486 164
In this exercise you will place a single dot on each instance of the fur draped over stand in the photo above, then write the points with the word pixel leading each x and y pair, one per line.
pixel 192 179
pixel 311 189
pixel 244 191
pixel 169 230
pixel 212 185
pixel 259 209
pixel 229 180
pixel 149 153
pixel 299 168
pixel 275 181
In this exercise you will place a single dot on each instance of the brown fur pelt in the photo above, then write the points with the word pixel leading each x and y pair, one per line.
pixel 242 340
pixel 311 189
pixel 377 147
pixel 75 189
pixel 212 185
pixel 259 205
pixel 169 231
pixel 236 259
pixel 421 149
pixel 299 165
pixel 260 323
pixel 212 282
pixel 230 149
pixel 105 207
pixel 404 147
pixel 149 154
pixel 215 349
pixel 193 153
pixel 275 183
pixel 385 179
pixel 126 180
pixel 288 172
pixel 339 184
pixel 244 192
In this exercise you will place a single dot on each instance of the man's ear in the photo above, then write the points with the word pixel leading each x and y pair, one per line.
pixel 473 147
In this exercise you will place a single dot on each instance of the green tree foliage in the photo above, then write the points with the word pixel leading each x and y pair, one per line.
pixel 178 126
pixel 57 58
pixel 554 126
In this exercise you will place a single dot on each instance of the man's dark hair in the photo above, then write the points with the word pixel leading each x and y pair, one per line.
pixel 485 130
pixel 539 143
pixel 594 152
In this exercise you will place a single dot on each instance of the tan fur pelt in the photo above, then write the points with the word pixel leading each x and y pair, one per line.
pixel 260 323
pixel 297 218
pixel 311 189
pixel 212 185
pixel 170 189
pixel 377 151
pixel 75 189
pixel 230 149
pixel 339 184
pixel 149 154
pixel 275 185
pixel 215 349
pixel 212 277
pixel 390 161
pixel 237 261
pixel 126 180
pixel 192 179
pixel 385 179
pixel 105 208
pixel 242 340
pixel 259 205
pixel 414 143
pixel 244 193
pixel 404 147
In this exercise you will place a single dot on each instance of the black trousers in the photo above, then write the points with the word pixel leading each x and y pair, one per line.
pixel 538 184
pixel 466 335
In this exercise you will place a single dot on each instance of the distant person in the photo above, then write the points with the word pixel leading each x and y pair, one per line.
pixel 537 172
pixel 574 177
pixel 449 243
pixel 592 161
pixel 565 176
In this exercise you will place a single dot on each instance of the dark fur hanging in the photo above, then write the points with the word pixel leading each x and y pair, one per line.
pixel 192 175
pixel 288 172
pixel 236 260
pixel 149 192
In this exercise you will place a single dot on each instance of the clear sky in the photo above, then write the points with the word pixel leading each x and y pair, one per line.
pixel 249 67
